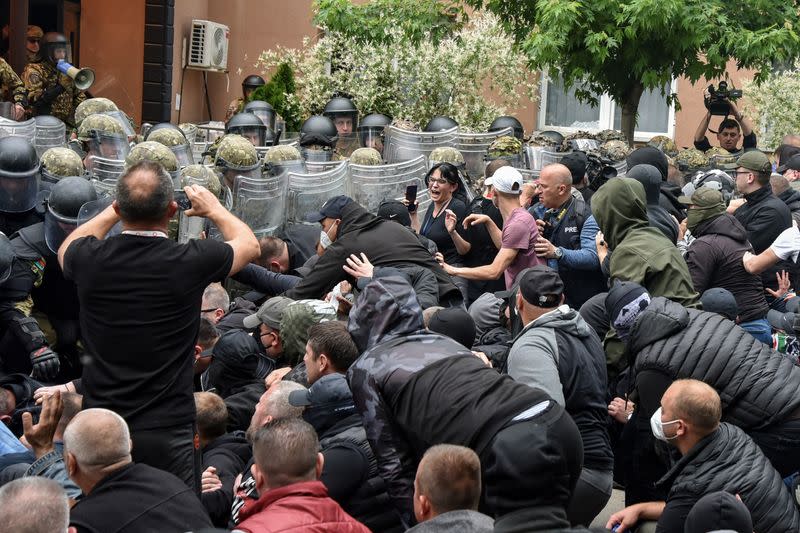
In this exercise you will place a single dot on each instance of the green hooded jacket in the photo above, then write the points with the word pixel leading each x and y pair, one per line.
pixel 640 253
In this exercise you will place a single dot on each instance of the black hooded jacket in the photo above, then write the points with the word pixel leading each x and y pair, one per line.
pixel 658 217
pixel 668 199
pixel 385 243
pixel 715 260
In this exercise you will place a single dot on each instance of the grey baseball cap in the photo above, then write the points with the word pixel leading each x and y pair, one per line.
pixel 270 313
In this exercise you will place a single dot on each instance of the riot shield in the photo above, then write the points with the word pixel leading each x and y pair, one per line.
pixel 474 146
pixel 103 169
pixel 540 156
pixel 184 155
pixel 50 132
pixel 290 137
pixel 372 184
pixel 112 146
pixel 123 119
pixel 584 145
pixel 261 202
pixel 404 145
pixel 89 210
pixel 12 128
pixel 622 168
pixel 307 192
pixel 191 227
pixel 105 189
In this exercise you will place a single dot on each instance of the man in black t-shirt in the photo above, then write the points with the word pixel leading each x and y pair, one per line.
pixel 140 297
pixel 730 132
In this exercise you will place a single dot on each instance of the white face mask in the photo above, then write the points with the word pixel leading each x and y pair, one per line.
pixel 324 239
pixel 657 426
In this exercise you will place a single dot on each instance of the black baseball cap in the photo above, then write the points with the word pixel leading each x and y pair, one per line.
pixel 330 209
pixel 541 286
pixel 576 163
pixel 720 301
pixel 394 211
pixel 793 163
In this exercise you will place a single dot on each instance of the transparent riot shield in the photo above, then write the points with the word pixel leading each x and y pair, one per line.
pixel 89 210
pixel 123 119
pixel 191 227
pixel 307 192
pixel 12 128
pixel 622 168
pixel 209 131
pixel 105 189
pixel 261 202
pixel 50 133
pixel 183 153
pixel 372 184
pixel 106 145
pixel 474 146
pixel 403 145
pixel 584 145
pixel 290 137
pixel 103 169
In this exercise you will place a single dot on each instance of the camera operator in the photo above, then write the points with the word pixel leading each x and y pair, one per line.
pixel 731 130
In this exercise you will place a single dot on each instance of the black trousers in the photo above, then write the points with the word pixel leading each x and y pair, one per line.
pixel 173 449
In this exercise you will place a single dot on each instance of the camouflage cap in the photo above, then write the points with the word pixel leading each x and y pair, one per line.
pixel 366 156
pixel 236 152
pixel 295 321
pixel 62 162
pixel 505 146
pixel 201 175
pixel 448 154
pixel 34 32
pixel 665 144
pixel 691 159
pixel 152 151
pixel 282 152
pixel 615 150
pixel 610 135
pixel 93 106
pixel 99 122
pixel 168 137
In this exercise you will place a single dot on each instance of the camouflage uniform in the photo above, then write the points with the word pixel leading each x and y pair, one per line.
pixel 234 107
pixel 12 88
pixel 367 156
pixel 38 77
pixel 61 162
pixel 506 147
pixel 93 106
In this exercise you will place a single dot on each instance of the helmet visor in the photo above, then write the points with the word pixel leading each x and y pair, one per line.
pixel 108 145
pixel 183 153
pixel 372 138
pixel 18 195
pixel 254 134
pixel 56 229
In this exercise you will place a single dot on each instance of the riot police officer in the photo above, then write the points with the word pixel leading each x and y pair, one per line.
pixel 344 115
pixel 318 137
pixel 49 91
pixel 250 84
pixel 249 126
pixel 19 184
pixel 370 131
pixel 173 138
pixel 262 110
pixel 501 123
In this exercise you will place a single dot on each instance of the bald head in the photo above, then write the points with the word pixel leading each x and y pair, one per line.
pixel 144 193
pixel 555 184
pixel 695 402
pixel 98 438
pixel 559 173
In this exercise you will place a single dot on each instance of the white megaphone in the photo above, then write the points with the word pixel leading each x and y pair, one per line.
pixel 83 77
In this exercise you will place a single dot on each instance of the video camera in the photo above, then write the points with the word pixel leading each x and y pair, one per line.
pixel 599 170
pixel 718 100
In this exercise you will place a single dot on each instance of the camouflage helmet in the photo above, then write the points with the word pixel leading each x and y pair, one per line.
pixel 152 151
pixel 720 158
pixel 405 124
pixel 167 136
pixel 691 159
pixel 665 144
pixel 615 149
pixel 99 122
pixel 60 162
pixel 716 150
pixel 447 154
pixel 366 156
pixel 235 152
pixel 610 135
pixel 281 153
pixel 189 130
pixel 505 146
pixel 537 138
pixel 93 106
pixel 201 175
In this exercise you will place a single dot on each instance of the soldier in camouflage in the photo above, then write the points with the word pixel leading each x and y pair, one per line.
pixel 615 150
pixel 690 160
pixel 235 156
pixel 12 89
pixel 153 151
pixel 506 147
pixel 201 175
pixel 93 106
pixel 49 91
pixel 665 144
pixel 174 139
pixel 366 156
pixel 60 162
pixel 250 84
pixel 284 157
pixel 33 43
pixel 103 136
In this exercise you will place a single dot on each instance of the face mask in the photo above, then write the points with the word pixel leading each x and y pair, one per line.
pixel 324 240
pixel 657 426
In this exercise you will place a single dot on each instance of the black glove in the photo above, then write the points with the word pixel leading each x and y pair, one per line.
pixel 51 93
pixel 45 364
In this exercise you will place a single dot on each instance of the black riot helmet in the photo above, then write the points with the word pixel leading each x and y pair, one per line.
pixel 250 83
pixel 63 205
pixel 370 129
pixel 6 257
pixel 248 126
pixel 55 47
pixel 19 175
pixel 501 123
pixel 262 110
pixel 338 108
pixel 318 130
pixel 440 123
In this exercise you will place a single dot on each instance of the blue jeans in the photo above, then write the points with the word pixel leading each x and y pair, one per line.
pixel 8 442
pixel 760 329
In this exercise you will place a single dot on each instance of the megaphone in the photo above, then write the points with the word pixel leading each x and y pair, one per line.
pixel 83 77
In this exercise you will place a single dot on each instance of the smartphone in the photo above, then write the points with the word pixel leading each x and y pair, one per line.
pixel 184 204
pixel 411 196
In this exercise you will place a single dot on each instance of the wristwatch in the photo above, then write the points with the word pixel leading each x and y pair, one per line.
pixel 559 253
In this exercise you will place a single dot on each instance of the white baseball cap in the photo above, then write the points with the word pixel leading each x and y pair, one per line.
pixel 507 180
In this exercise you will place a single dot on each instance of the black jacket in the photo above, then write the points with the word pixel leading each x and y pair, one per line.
pixel 715 260
pixel 728 460
pixel 415 389
pixel 238 360
pixel 23 388
pixel 242 404
pixel 668 199
pixel 228 454
pixel 238 309
pixel 764 216
pixel 386 243
pixel 791 197
pixel 757 385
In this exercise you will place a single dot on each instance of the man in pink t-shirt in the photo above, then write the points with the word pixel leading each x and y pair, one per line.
pixel 515 241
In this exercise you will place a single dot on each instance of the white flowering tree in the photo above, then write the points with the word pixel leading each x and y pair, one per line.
pixel 774 106
pixel 473 74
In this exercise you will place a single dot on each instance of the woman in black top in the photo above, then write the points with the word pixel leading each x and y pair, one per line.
pixel 442 220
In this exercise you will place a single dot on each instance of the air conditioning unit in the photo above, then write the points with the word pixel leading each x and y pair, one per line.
pixel 208 46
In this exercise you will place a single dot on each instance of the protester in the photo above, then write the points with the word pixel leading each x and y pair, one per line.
pixel 34 505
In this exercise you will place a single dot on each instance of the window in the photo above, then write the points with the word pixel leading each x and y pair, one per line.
pixel 560 110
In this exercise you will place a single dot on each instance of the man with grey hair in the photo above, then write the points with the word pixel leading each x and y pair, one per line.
pixel 121 495
pixel 140 299
pixel 34 505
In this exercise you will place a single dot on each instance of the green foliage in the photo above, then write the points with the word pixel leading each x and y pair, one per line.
pixel 276 92
pixel 370 22
pixel 774 106
pixel 622 47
